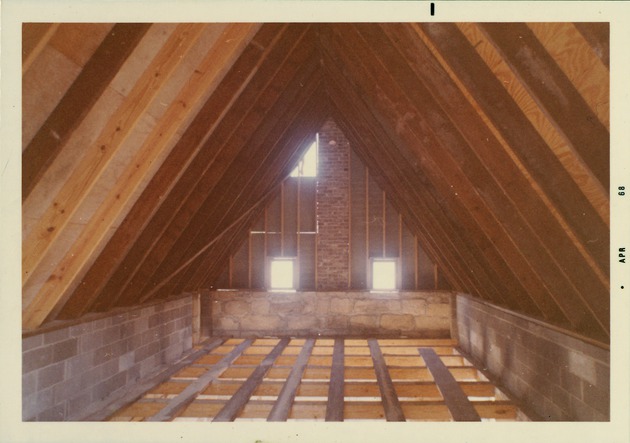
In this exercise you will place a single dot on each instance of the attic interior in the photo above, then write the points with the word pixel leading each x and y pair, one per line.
pixel 446 257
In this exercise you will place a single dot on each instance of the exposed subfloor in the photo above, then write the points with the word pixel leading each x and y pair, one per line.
pixel 274 379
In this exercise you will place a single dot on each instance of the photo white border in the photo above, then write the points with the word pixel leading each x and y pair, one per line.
pixel 14 12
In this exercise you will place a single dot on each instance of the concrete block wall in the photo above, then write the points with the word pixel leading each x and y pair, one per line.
pixel 351 313
pixel 561 376
pixel 333 200
pixel 69 373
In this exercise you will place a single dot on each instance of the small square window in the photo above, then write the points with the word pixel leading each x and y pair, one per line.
pixel 281 274
pixel 384 275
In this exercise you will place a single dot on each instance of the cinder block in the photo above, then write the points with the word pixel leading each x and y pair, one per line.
pixel 90 378
pixel 109 386
pixel 570 382
pixel 150 336
pixel 65 349
pixel 79 364
pixel 50 375
pixel 32 342
pixel 56 413
pixel 33 404
pixel 81 329
pixel 126 361
pixel 108 369
pixel 127 329
pixel 119 318
pixel 596 398
pixel 56 336
pixel 91 341
pixel 583 412
pixel 77 406
pixel 66 390
pixel 155 320
pixel 36 359
pixel 111 334
pixel 583 367
pixel 29 383
pixel 146 351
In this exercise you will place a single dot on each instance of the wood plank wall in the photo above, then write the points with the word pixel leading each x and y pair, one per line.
pixel 288 228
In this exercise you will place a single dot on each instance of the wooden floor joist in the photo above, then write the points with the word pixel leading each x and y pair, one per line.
pixel 238 400
pixel 281 409
pixel 334 408
pixel 458 404
pixel 393 411
pixel 283 379
pixel 188 395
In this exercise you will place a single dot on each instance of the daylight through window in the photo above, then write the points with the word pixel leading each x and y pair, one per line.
pixel 383 275
pixel 307 167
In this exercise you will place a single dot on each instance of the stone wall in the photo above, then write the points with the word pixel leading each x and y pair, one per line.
pixel 70 372
pixel 560 375
pixel 350 313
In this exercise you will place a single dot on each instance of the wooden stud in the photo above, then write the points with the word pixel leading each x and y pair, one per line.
pixel 458 404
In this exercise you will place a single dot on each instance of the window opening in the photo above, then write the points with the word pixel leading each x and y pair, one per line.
pixel 383 275
pixel 282 274
pixel 307 167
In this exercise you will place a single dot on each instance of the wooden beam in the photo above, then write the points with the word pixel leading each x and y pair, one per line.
pixel 458 404
pixel 93 164
pixel 177 175
pixel 187 198
pixel 138 390
pixel 158 140
pixel 177 404
pixel 487 206
pixel 537 216
pixel 393 411
pixel 214 211
pixel 236 404
pixel 598 36
pixel 470 270
pixel 555 93
pixel 523 138
pixel 35 37
pixel 549 174
pixel 334 406
pixel 296 135
pixel 282 407
pixel 95 76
